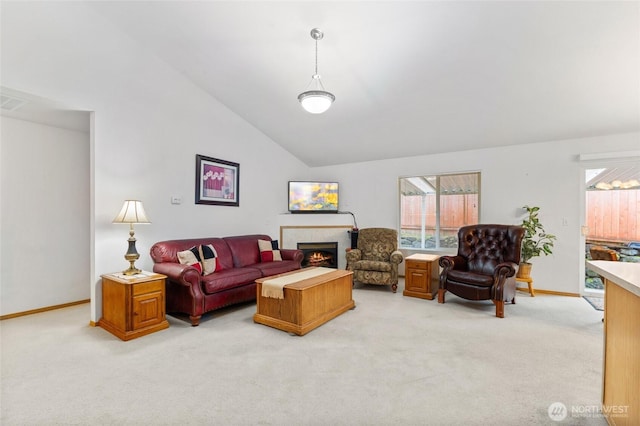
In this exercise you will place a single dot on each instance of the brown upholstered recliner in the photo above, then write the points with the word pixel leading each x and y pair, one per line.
pixel 485 267
pixel 603 253
pixel 377 257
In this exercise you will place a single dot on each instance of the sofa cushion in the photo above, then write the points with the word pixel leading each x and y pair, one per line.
pixel 372 265
pixel 472 278
pixel 274 268
pixel 228 279
pixel 244 249
pixel 269 251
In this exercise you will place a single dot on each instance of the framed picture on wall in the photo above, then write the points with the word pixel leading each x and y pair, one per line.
pixel 217 182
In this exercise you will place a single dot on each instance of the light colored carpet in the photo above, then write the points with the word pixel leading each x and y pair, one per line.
pixel 393 360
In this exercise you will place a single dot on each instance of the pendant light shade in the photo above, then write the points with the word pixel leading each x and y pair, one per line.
pixel 315 99
pixel 318 100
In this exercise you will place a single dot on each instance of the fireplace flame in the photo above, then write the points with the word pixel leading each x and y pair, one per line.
pixel 317 258
pixel 319 254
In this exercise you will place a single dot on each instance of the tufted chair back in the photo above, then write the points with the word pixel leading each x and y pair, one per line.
pixel 486 246
pixel 485 266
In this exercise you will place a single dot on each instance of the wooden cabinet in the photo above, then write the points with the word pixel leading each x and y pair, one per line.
pixel 133 306
pixel 621 364
pixel 421 276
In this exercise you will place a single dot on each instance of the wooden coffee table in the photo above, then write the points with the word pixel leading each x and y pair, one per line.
pixel 307 303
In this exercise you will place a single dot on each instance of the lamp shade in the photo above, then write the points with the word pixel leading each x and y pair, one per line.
pixel 132 212
pixel 316 101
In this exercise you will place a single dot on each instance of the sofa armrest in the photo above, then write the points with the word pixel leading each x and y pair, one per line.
pixel 292 254
pixel 396 257
pixel 451 262
pixel 502 278
pixel 505 269
pixel 180 274
pixel 353 256
pixel 183 289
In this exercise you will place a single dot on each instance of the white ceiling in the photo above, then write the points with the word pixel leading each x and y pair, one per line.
pixel 410 78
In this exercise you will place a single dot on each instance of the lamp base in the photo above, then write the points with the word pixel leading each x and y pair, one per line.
pixel 132 270
pixel 131 256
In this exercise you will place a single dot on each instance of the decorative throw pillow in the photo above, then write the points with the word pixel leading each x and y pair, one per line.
pixel 269 251
pixel 203 258
pixel 209 260
pixel 191 257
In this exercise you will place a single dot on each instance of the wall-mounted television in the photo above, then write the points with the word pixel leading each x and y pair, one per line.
pixel 313 197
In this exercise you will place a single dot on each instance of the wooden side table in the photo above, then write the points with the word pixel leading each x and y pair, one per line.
pixel 529 282
pixel 421 276
pixel 134 305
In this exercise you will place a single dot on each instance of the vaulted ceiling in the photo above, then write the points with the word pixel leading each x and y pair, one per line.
pixel 410 78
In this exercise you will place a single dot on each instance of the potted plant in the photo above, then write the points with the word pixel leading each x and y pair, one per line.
pixel 535 242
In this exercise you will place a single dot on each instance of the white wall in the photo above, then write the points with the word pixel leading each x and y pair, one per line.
pixel 548 175
pixel 45 216
pixel 149 124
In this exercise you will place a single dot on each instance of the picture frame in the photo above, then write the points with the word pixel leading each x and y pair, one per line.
pixel 217 182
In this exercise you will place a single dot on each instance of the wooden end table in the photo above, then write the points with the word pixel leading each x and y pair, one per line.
pixel 133 305
pixel 421 278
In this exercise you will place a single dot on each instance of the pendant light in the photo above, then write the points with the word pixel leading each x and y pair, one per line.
pixel 315 99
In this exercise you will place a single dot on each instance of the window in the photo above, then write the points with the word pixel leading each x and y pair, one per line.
pixel 612 201
pixel 433 208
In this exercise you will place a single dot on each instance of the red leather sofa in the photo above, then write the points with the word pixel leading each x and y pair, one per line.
pixel 190 292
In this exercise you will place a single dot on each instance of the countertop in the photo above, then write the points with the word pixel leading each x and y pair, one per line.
pixel 625 274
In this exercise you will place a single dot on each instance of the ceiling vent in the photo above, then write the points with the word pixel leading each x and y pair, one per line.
pixel 9 103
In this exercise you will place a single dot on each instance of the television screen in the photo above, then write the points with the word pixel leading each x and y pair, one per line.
pixel 313 197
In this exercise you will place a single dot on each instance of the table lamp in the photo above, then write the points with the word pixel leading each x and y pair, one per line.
pixel 131 212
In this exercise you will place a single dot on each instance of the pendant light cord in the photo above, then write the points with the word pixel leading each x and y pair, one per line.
pixel 316 57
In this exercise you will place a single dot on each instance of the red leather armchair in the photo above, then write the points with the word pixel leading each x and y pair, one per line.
pixel 485 266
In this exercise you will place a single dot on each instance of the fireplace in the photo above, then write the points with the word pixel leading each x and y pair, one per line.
pixel 319 254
